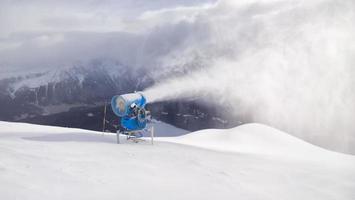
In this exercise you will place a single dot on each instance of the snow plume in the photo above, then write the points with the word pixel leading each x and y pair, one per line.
pixel 289 64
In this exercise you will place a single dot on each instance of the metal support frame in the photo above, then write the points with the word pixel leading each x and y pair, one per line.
pixel 129 135
pixel 118 137
pixel 152 134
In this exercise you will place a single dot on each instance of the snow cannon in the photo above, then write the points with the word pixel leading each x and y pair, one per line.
pixel 130 108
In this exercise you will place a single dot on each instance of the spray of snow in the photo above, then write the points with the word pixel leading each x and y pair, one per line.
pixel 284 63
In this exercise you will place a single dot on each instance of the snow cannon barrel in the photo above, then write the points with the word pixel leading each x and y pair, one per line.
pixel 121 103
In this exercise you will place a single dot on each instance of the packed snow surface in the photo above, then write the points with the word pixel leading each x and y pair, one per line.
pixel 251 161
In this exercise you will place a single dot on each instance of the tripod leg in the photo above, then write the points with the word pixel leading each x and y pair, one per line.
pixel 118 137
pixel 152 134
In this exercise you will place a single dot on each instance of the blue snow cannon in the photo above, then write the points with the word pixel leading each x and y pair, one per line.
pixel 131 109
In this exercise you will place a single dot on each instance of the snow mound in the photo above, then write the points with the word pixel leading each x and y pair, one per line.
pixel 254 138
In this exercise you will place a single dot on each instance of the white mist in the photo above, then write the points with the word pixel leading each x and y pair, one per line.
pixel 283 63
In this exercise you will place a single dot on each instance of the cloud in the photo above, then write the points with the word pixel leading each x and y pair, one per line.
pixel 41 35
pixel 87 15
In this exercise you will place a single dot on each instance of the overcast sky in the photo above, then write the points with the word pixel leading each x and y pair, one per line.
pixel 44 33
pixel 87 15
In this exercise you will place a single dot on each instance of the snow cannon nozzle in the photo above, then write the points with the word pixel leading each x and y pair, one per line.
pixel 121 104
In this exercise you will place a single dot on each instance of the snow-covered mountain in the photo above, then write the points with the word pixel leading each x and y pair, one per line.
pixel 37 93
pixel 251 161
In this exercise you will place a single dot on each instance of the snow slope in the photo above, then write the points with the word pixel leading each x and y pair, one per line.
pixel 252 161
